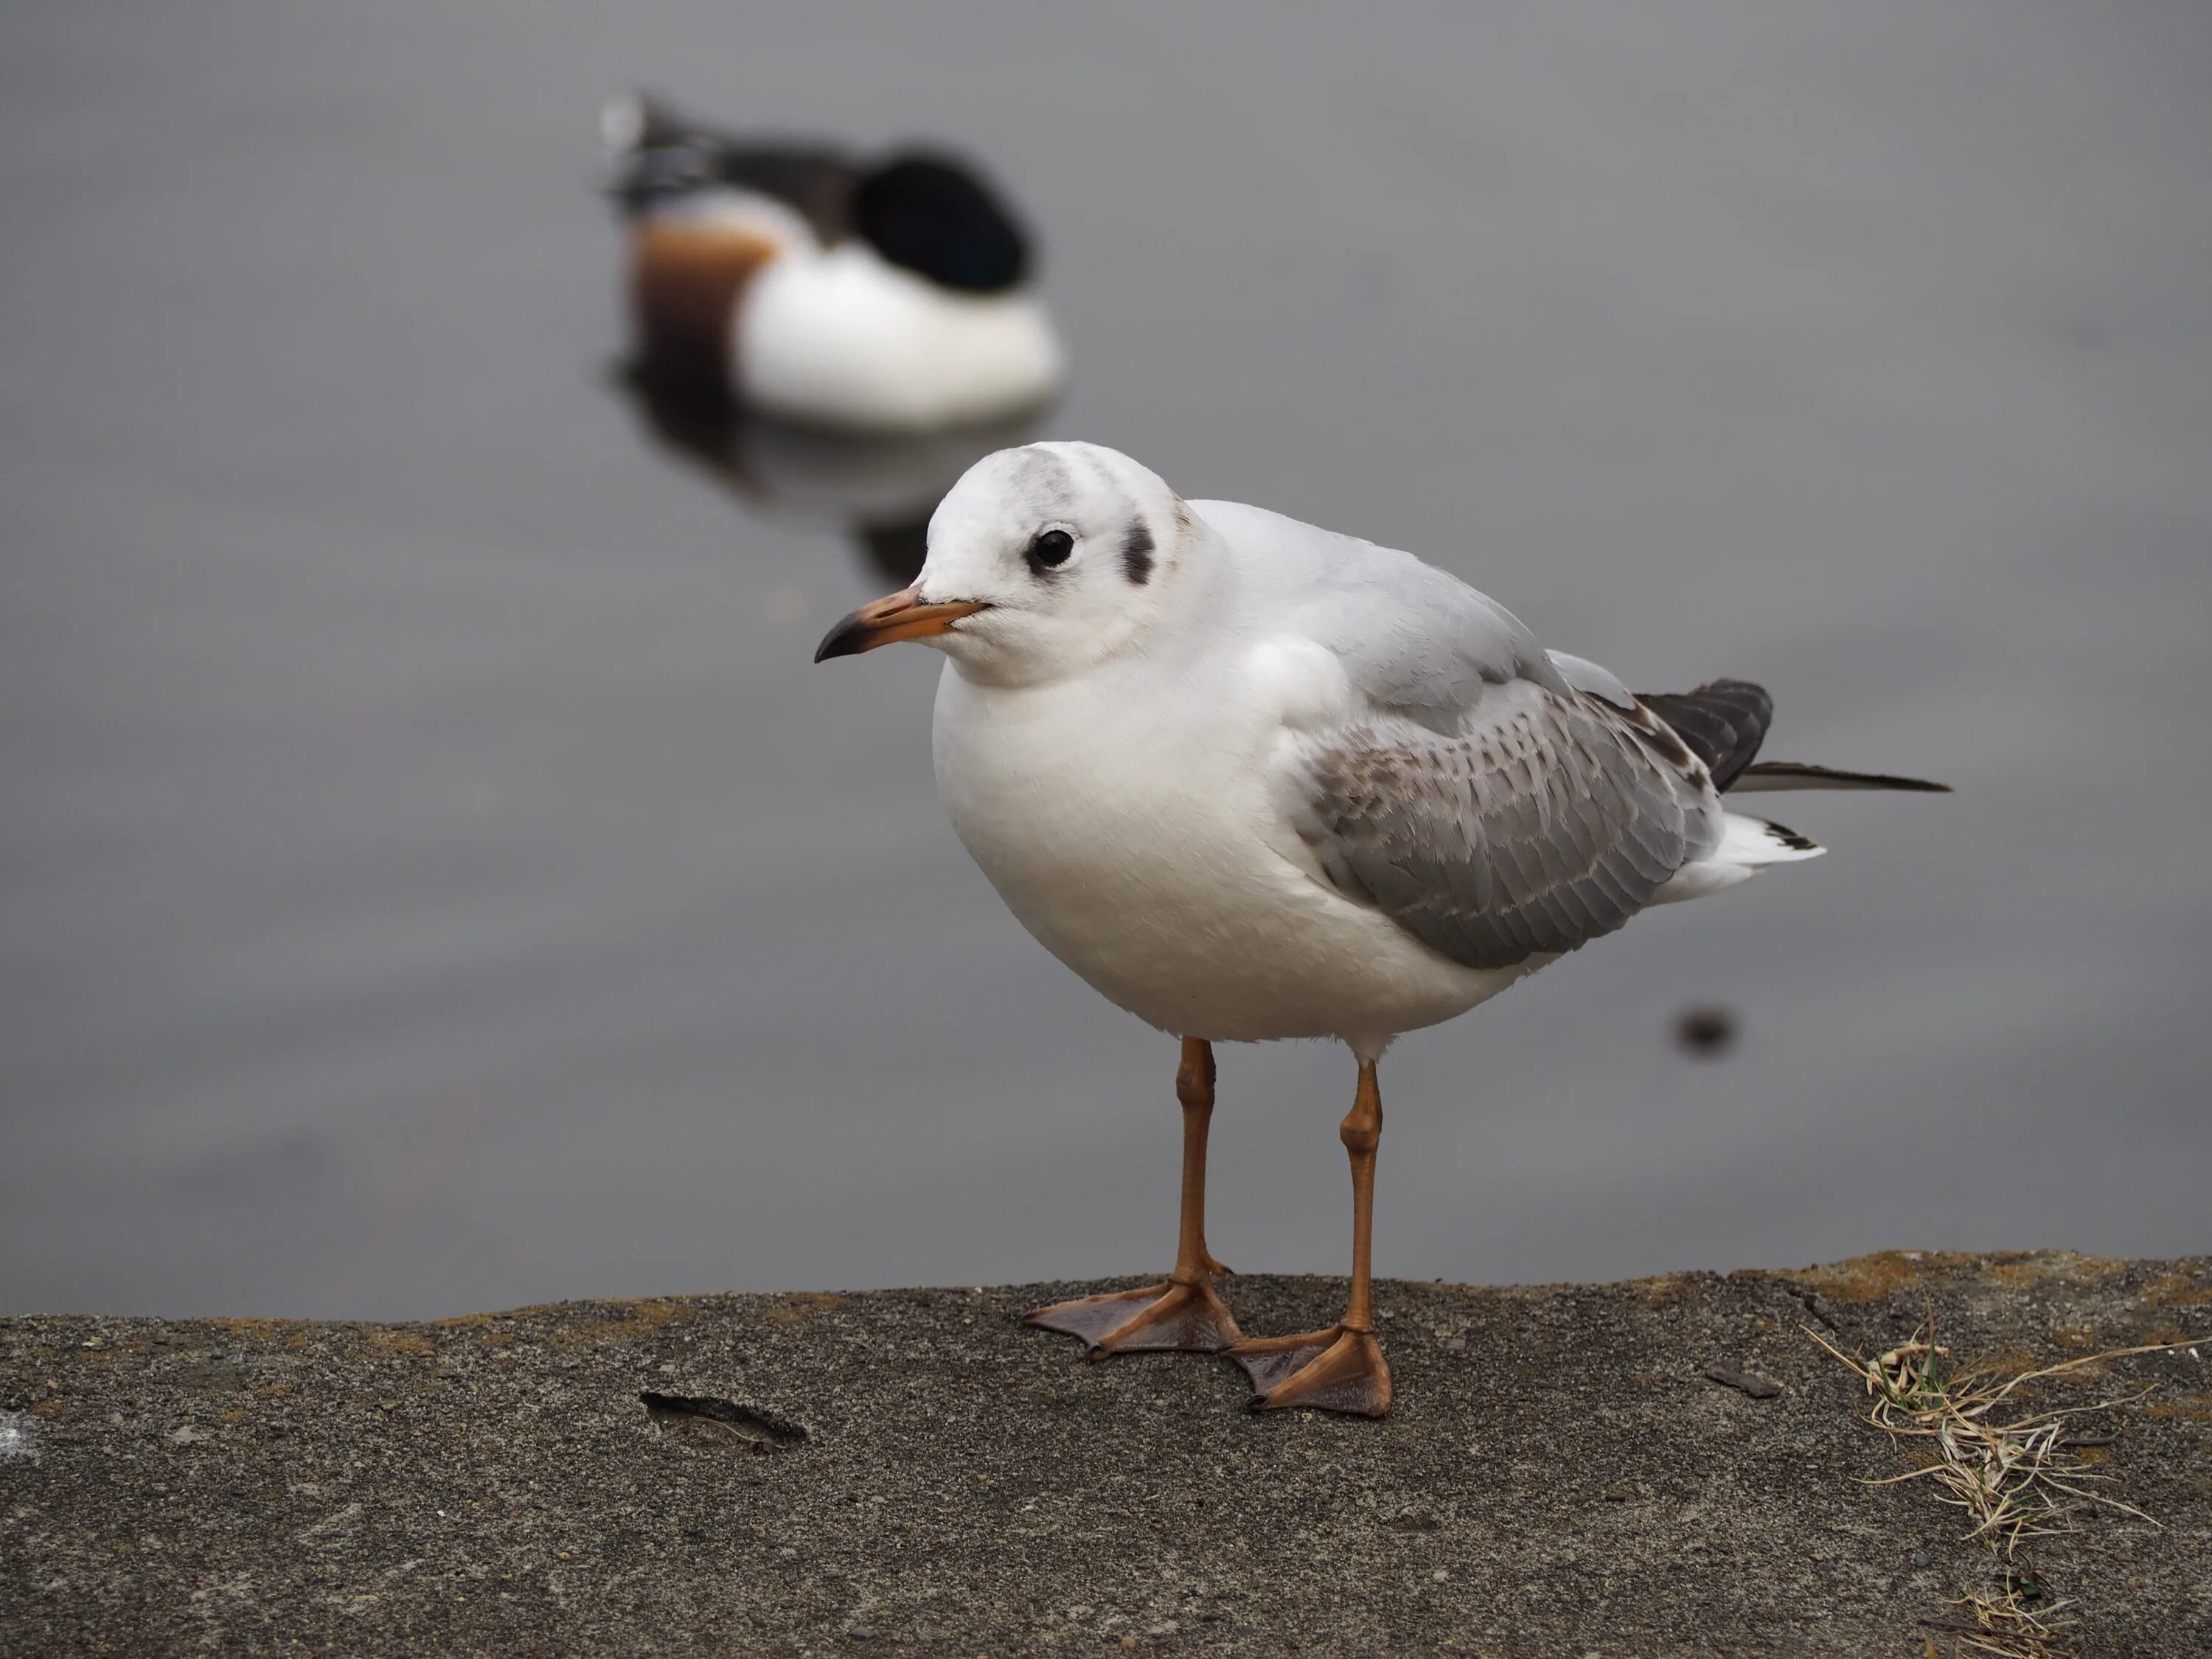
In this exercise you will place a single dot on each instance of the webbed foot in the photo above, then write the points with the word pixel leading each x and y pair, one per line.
pixel 1331 1370
pixel 1187 1317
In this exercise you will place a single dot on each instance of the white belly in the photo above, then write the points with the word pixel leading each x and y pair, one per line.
pixel 1150 861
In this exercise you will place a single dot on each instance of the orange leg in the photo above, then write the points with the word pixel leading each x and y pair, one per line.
pixel 1184 1312
pixel 1342 1368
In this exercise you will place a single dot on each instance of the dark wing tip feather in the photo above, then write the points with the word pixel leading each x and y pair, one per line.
pixel 1722 723
pixel 1803 775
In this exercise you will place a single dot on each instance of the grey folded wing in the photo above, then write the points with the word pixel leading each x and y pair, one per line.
pixel 1544 818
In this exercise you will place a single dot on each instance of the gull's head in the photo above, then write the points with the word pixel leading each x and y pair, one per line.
pixel 1044 562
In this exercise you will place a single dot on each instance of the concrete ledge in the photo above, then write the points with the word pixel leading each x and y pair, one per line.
pixel 912 1471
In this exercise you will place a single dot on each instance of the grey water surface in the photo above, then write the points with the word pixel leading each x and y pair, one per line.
pixel 436 878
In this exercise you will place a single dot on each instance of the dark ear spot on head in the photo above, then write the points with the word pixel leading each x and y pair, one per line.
pixel 934 216
pixel 1137 553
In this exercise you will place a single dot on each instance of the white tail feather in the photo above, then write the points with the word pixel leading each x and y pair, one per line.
pixel 1747 845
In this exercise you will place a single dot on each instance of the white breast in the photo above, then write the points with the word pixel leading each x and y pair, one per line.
pixel 843 339
pixel 1147 856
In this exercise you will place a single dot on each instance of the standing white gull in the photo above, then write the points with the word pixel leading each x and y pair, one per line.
pixel 1253 780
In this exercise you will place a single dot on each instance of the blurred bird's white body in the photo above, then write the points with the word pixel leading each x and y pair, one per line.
pixel 839 338
pixel 887 296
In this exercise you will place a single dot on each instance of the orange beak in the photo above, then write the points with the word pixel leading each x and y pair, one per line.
pixel 895 617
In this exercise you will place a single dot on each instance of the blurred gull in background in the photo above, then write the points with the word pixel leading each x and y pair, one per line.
pixel 886 296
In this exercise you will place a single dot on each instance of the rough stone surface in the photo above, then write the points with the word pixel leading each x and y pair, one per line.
pixel 1560 1477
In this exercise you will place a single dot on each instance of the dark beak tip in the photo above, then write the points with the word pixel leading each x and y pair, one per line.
pixel 842 640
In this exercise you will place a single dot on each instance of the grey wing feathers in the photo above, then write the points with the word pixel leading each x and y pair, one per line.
pixel 1416 641
pixel 1593 677
pixel 1545 821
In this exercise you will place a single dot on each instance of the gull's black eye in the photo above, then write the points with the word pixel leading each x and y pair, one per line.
pixel 1050 549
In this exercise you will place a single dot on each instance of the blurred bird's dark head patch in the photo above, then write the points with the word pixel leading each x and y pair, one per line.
pixel 935 217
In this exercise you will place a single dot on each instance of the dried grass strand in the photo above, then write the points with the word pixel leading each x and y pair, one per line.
pixel 2016 1478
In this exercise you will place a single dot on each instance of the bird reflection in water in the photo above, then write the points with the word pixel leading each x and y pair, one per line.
pixel 880 489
